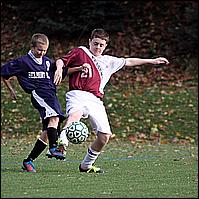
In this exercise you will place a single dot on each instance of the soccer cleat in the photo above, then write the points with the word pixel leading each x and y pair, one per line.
pixel 61 146
pixel 93 169
pixel 28 166
pixel 54 152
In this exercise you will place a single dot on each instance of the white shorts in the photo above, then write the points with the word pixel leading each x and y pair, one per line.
pixel 91 108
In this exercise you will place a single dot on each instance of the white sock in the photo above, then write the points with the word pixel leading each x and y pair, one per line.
pixel 89 158
pixel 64 138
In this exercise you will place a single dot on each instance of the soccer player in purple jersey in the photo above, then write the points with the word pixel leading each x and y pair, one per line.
pixel 86 90
pixel 38 76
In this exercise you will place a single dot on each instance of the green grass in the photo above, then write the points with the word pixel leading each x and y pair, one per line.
pixel 174 110
pixel 149 167
pixel 143 171
pixel 131 110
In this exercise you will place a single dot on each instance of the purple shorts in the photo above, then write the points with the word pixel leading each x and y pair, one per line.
pixel 47 103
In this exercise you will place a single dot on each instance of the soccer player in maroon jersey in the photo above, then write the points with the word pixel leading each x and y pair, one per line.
pixel 86 90
pixel 38 76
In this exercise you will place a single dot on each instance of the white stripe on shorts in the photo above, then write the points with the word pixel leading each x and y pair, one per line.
pixel 49 111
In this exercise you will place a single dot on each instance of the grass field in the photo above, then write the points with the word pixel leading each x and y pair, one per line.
pixel 173 109
pixel 132 171
pixel 154 153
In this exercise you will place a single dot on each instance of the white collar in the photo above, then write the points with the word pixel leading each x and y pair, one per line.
pixel 36 60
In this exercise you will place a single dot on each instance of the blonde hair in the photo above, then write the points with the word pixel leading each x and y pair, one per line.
pixel 39 38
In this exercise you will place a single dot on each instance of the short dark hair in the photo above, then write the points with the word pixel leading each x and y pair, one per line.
pixel 100 33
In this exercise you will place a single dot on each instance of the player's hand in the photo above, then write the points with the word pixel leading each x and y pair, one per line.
pixel 85 67
pixel 160 60
pixel 58 76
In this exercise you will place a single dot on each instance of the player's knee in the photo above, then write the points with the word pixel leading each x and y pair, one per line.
pixel 44 136
pixel 73 117
pixel 104 138
pixel 53 121
pixel 76 116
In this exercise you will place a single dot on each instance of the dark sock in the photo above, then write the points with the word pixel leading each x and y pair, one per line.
pixel 36 151
pixel 58 130
pixel 52 137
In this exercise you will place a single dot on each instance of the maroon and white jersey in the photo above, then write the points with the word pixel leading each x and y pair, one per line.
pixel 95 78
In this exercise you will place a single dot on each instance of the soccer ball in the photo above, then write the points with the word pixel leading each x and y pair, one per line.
pixel 77 132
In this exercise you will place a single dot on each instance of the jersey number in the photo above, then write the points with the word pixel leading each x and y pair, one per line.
pixel 87 73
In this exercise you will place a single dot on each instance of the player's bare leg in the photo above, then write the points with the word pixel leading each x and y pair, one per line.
pixel 93 152
pixel 44 136
pixel 100 141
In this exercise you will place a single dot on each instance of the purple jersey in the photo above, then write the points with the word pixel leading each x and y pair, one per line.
pixel 31 75
pixel 36 78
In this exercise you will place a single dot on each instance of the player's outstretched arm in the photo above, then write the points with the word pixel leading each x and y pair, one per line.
pixel 140 61
pixel 13 95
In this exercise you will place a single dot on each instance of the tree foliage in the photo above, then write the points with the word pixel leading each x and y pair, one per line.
pixel 137 28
